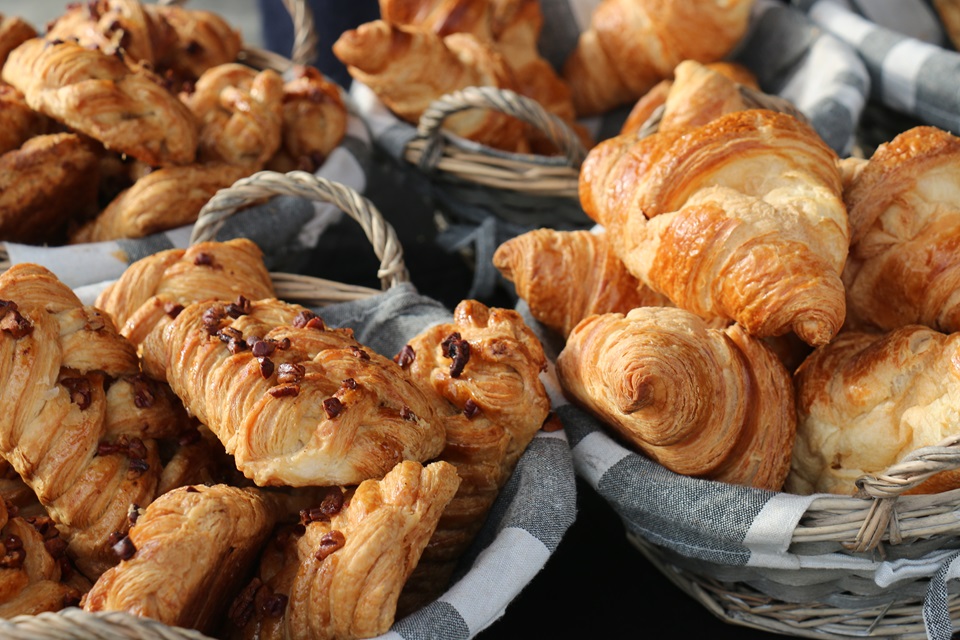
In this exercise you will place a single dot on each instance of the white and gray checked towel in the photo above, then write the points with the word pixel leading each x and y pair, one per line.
pixel 287 229
pixel 531 514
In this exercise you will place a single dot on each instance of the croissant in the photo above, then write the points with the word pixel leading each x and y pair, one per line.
pixel 126 108
pixel 164 199
pixel 696 94
pixel 14 31
pixel 631 45
pixel 739 219
pixel 565 276
pixel 866 400
pixel 904 262
pixel 186 555
pixel 80 423
pixel 409 68
pixel 705 402
pixel 341 577
pixel 296 403
pixel 45 185
pixel 483 368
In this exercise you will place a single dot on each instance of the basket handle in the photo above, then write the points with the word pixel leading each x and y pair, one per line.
pixel 430 126
pixel 264 185
pixel 305 38
pixel 76 624
pixel 884 488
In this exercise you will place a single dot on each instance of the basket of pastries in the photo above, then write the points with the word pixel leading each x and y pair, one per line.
pixel 204 449
pixel 758 347
pixel 123 118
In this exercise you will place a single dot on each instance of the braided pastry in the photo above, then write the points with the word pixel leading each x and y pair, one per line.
pixel 82 423
pixel 705 402
pixel 296 403
pixel 126 108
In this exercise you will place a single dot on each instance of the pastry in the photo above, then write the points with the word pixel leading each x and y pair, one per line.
pixel 240 111
pixel 705 402
pixel 408 68
pixel 631 45
pixel 45 185
pixel 14 31
pixel 740 219
pixel 18 122
pixel 904 262
pixel 125 107
pixel 164 199
pixel 866 400
pixel 201 40
pixel 565 276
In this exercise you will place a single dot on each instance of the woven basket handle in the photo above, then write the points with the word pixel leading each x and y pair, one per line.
pixel 267 184
pixel 305 38
pixel 430 127
pixel 77 624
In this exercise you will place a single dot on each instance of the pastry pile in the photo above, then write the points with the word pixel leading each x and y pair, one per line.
pixel 752 308
pixel 192 449
pixel 124 118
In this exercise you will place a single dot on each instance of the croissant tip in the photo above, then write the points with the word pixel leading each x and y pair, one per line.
pixel 815 333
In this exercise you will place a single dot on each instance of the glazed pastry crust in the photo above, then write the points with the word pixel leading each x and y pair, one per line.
pixel 740 219
pixel 565 276
pixel 126 108
pixel 868 399
pixel 705 402
pixel 904 263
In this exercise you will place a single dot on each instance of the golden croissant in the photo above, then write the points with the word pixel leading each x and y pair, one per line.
pixel 631 45
pixel 408 68
pixel 483 370
pixel 739 219
pixel 127 108
pixel 904 262
pixel 705 402
pixel 81 422
pixel 340 575
pixel 565 276
pixel 866 400
pixel 295 402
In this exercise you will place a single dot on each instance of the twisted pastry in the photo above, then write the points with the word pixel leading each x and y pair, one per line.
pixel 164 199
pixel 633 44
pixel 740 219
pixel 201 40
pixel 295 403
pixel 483 370
pixel 866 400
pixel 408 68
pixel 81 422
pixel 240 111
pixel 565 276
pixel 126 108
pixel 904 263
pixel 186 555
pixel 45 185
pixel 705 402
pixel 341 577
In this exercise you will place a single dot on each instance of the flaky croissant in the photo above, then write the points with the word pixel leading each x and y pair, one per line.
pixel 565 276
pixel 633 44
pixel 866 400
pixel 80 423
pixel 705 402
pixel 186 556
pixel 125 107
pixel 295 402
pixel 408 68
pixel 904 263
pixel 739 219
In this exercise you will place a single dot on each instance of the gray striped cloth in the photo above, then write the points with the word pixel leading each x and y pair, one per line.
pixel 286 228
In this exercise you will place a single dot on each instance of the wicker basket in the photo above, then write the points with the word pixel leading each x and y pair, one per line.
pixel 543 481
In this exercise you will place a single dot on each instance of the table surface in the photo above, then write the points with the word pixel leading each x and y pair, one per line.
pixel 596 584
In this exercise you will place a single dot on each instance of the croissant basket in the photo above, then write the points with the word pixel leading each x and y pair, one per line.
pixel 525 524
pixel 155 217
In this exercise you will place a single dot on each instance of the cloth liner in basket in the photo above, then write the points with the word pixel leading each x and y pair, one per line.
pixel 792 57
pixel 817 566
pixel 530 516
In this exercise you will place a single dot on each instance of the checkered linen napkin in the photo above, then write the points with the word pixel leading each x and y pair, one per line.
pixel 286 228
